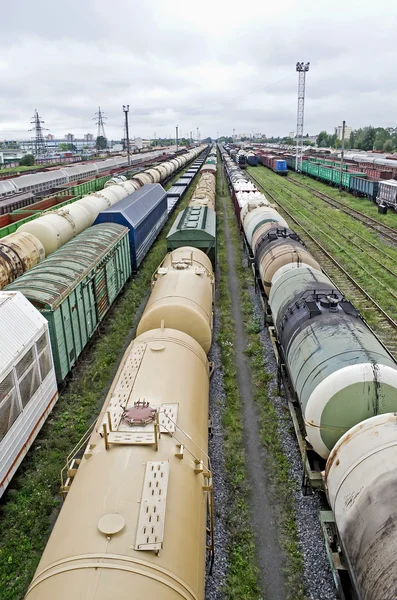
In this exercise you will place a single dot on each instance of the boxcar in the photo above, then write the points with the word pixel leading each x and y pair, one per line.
pixel 387 193
pixel 196 227
pixel 360 186
pixel 10 203
pixel 75 287
pixel 27 380
pixel 144 212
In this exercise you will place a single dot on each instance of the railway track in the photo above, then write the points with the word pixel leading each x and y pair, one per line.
pixel 387 232
pixel 381 323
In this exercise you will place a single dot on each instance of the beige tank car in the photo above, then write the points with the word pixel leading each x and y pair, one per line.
pixel 182 296
pixel 133 525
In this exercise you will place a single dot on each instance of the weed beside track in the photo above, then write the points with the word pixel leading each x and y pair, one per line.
pixel 276 461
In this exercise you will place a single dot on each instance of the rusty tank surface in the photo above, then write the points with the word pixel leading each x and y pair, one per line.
pixel 276 247
pixel 182 296
pixel 134 521
pixel 19 252
pixel 361 479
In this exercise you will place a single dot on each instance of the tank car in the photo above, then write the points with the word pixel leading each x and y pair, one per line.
pixel 340 372
pixel 134 520
pixel 361 488
pixel 182 296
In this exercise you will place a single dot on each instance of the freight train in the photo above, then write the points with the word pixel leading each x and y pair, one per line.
pixel 60 304
pixel 53 229
pixel 345 383
pixel 138 513
pixel 46 180
pixel 358 179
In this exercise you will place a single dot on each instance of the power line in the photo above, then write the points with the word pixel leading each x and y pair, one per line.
pixel 40 148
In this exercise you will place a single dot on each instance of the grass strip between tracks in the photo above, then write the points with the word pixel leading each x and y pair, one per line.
pixel 242 582
pixel 30 506
pixel 277 461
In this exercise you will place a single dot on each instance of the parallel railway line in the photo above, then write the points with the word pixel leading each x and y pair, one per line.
pixel 383 325
pixel 387 232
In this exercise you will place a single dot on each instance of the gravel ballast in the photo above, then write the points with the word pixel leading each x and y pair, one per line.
pixel 318 580
pixel 215 582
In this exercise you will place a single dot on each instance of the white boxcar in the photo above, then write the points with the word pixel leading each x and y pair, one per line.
pixel 28 388
pixel 387 193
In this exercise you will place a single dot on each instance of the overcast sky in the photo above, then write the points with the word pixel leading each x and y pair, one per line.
pixel 212 64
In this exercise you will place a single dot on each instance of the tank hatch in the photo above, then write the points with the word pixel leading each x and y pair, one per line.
pixel 140 414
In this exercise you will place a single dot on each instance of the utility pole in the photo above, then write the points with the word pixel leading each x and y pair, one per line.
pixel 342 155
pixel 40 148
pixel 176 137
pixel 126 108
pixel 99 119
pixel 302 69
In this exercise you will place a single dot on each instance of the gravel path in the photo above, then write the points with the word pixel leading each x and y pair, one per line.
pixel 318 580
pixel 216 580
pixel 263 500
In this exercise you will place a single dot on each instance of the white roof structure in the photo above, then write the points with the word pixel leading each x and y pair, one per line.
pixel 20 324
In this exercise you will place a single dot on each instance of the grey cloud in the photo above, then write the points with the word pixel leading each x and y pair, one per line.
pixel 214 66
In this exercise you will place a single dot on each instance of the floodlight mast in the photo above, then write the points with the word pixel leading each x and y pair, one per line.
pixel 302 69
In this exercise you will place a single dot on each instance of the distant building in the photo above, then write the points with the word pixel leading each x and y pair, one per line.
pixel 338 131
pixel 49 137
pixel 69 137
pixel 89 137
pixel 292 134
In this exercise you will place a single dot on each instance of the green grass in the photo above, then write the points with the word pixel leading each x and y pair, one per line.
pixel 364 205
pixel 31 504
pixel 242 581
pixel 277 462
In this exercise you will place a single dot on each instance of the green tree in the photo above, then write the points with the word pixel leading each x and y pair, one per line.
pixel 307 143
pixel 388 146
pixel 352 139
pixel 27 160
pixel 381 136
pixel 101 142
pixel 323 139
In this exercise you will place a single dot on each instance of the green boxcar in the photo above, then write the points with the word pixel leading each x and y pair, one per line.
pixel 313 169
pixel 195 226
pixel 325 173
pixel 75 287
pixel 345 177
pixel 305 166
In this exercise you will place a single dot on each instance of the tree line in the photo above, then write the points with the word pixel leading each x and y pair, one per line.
pixel 365 138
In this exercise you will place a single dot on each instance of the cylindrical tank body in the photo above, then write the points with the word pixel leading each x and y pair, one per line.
pixel 131 509
pixel 362 487
pixel 19 252
pixel 90 206
pixel 340 372
pixel 143 178
pixel 176 163
pixel 254 218
pixel 81 215
pixel 277 247
pixel 112 194
pixel 252 204
pixel 155 175
pixel 53 229
pixel 182 296
pixel 162 171
pixel 115 180
pixel 130 186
